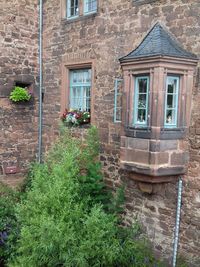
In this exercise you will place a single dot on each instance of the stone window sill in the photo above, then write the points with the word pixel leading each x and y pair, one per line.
pixel 142 2
pixel 79 18
pixel 148 133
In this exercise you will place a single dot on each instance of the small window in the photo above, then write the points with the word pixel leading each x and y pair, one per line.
pixel 118 100
pixel 141 101
pixel 90 6
pixel 22 84
pixel 72 8
pixel 80 89
pixel 171 101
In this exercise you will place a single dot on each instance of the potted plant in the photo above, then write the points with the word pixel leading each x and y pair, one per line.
pixel 20 94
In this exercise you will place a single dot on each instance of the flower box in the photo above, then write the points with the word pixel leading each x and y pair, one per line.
pixel 73 118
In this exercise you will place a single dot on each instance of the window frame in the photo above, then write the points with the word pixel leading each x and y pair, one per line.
pixel 135 101
pixel 117 94
pixel 71 64
pixel 81 88
pixel 68 7
pixel 170 125
pixel 87 12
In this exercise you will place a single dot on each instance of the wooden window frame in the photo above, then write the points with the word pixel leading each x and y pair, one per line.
pixel 117 94
pixel 68 7
pixel 135 102
pixel 82 12
pixel 176 108
pixel 87 12
pixel 80 87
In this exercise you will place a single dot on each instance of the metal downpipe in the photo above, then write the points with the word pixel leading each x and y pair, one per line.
pixel 40 80
pixel 177 226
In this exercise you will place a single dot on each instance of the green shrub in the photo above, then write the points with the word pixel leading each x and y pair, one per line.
pixel 19 94
pixel 8 225
pixel 65 217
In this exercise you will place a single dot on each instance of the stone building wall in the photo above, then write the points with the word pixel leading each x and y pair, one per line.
pixel 18 64
pixel 116 29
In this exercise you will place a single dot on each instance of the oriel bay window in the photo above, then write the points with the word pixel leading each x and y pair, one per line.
pixel 157 93
pixel 80 89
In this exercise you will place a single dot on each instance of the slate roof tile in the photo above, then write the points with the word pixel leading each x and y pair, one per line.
pixel 159 42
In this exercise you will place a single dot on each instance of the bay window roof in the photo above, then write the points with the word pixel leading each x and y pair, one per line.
pixel 159 42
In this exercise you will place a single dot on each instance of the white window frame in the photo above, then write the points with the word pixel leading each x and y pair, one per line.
pixel 86 11
pixel 84 99
pixel 69 16
pixel 118 94
pixel 136 100
pixel 175 101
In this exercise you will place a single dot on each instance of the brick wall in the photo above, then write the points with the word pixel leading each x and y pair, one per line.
pixel 115 30
pixel 18 63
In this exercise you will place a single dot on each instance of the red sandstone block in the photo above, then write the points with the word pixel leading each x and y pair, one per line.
pixel 11 169
pixel 158 158
pixel 138 156
pixel 137 143
pixel 179 159
pixel 123 141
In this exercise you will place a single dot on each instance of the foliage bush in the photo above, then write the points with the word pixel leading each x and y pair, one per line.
pixel 19 94
pixel 9 228
pixel 68 217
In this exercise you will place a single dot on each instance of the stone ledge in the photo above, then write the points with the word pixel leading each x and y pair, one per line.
pixel 143 2
pixel 153 171
pixel 79 18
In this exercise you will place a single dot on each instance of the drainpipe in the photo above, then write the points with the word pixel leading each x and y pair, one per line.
pixel 41 81
pixel 177 227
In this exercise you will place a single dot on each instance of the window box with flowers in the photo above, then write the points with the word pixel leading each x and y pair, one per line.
pixel 76 96
pixel 74 118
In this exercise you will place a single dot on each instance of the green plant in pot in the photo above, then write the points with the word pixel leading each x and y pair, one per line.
pixel 20 94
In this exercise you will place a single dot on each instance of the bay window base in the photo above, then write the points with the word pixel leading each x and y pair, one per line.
pixel 154 161
pixel 152 174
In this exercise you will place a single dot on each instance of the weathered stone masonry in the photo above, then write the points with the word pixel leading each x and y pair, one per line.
pixel 18 64
pixel 100 40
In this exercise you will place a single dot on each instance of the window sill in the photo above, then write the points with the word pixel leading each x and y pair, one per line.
pixel 149 133
pixel 89 13
pixel 172 133
pixel 142 2
pixel 72 18
pixel 79 18
pixel 141 132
